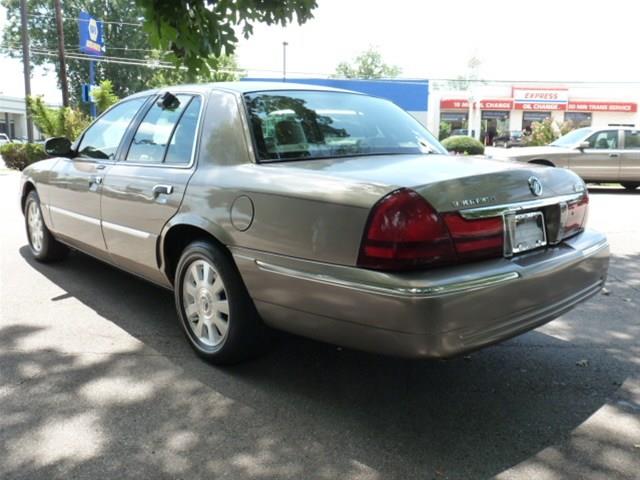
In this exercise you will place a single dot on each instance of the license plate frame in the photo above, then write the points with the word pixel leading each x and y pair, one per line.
pixel 527 231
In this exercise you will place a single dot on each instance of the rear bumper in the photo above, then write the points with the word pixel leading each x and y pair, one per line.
pixel 439 313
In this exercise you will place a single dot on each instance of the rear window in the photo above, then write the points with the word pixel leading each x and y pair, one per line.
pixel 303 125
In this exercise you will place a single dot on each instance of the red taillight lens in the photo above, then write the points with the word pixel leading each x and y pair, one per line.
pixel 404 232
pixel 478 238
pixel 576 216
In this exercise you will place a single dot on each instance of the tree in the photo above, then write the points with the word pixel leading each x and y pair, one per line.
pixel 463 82
pixel 369 64
pixel 103 95
pixel 57 122
pixel 196 31
pixel 130 42
pixel 224 69
pixel 123 40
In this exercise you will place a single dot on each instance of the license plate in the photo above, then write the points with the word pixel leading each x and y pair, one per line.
pixel 528 232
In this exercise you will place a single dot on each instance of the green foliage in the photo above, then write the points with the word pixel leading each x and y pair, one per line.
pixel 445 130
pixel 543 133
pixel 103 95
pixel 223 69
pixel 198 31
pixel 20 155
pixel 463 144
pixel 57 122
pixel 126 41
pixel 369 64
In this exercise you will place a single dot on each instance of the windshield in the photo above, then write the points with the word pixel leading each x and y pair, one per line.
pixel 571 138
pixel 295 125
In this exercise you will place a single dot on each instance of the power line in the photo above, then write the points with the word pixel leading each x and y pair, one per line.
pixel 107 22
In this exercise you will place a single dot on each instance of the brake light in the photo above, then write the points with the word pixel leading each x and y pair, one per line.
pixel 477 238
pixel 577 214
pixel 405 232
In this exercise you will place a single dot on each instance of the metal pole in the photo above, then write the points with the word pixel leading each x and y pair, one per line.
pixel 26 62
pixel 63 65
pixel 92 81
pixel 284 61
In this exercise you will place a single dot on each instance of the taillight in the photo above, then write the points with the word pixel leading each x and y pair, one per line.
pixel 477 238
pixel 405 232
pixel 577 213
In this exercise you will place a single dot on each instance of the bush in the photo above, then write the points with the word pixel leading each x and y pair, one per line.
pixel 20 155
pixel 463 144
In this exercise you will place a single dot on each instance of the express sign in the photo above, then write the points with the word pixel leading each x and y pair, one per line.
pixel 540 98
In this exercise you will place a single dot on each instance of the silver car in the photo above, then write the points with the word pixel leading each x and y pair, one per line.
pixel 598 155
pixel 325 213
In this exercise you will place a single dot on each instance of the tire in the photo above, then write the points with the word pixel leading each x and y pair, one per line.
pixel 630 186
pixel 215 310
pixel 44 247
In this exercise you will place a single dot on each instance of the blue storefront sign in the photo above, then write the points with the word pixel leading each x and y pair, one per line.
pixel 412 95
pixel 91 35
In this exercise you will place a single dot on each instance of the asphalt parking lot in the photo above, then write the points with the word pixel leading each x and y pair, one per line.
pixel 96 381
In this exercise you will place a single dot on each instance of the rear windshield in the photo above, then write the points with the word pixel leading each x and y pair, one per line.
pixel 304 125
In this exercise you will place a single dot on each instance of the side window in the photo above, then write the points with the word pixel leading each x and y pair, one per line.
pixel 181 145
pixel 632 139
pixel 605 140
pixel 152 137
pixel 101 140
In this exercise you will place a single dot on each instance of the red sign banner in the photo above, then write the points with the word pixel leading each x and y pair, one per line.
pixel 496 104
pixel 454 104
pixel 589 106
pixel 538 107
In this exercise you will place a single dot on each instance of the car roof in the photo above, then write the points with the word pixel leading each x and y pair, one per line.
pixel 241 87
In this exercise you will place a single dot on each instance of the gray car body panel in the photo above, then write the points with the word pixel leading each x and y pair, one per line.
pixel 294 230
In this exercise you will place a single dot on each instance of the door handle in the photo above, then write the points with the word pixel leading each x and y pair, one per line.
pixel 95 179
pixel 101 166
pixel 613 155
pixel 166 189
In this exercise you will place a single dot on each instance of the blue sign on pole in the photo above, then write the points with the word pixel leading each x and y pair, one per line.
pixel 91 37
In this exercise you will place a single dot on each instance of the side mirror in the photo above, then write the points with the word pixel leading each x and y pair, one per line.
pixel 583 145
pixel 58 147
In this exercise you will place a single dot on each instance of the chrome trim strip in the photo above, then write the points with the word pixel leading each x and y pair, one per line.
pixel 77 216
pixel 126 230
pixel 417 292
pixel 593 249
pixel 504 209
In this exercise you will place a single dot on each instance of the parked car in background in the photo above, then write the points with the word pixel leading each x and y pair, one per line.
pixel 326 213
pixel 596 154
pixel 4 139
pixel 459 131
pixel 511 138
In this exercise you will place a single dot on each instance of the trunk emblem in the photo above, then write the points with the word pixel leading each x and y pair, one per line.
pixel 535 185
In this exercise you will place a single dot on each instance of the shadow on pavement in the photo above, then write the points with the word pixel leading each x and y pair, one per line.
pixel 304 410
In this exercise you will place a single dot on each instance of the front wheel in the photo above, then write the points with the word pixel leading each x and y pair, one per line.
pixel 630 186
pixel 216 312
pixel 44 247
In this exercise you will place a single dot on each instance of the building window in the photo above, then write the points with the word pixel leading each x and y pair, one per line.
pixel 578 119
pixel 453 123
pixel 528 118
pixel 494 123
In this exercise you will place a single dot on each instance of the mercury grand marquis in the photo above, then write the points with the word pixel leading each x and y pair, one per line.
pixel 326 213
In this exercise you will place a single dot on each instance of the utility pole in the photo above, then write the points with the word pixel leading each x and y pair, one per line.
pixel 26 62
pixel 63 64
pixel 284 61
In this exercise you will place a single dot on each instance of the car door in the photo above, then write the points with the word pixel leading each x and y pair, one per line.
pixel 144 188
pixel 76 185
pixel 600 161
pixel 630 161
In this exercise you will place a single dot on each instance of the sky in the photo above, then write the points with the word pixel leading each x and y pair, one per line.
pixel 557 40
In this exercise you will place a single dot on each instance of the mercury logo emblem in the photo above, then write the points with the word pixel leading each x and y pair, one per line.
pixel 535 186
